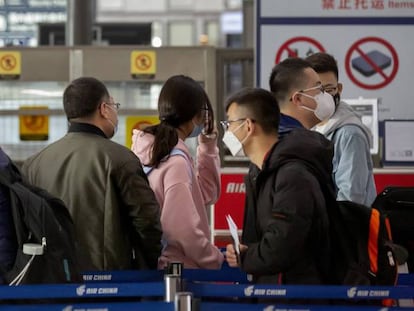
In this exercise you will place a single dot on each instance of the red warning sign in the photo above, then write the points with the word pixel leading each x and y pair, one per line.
pixel 371 63
pixel 298 47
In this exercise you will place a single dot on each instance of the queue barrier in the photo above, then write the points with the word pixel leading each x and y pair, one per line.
pixel 226 274
pixel 226 289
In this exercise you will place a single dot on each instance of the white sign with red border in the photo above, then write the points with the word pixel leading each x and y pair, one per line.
pixel 375 61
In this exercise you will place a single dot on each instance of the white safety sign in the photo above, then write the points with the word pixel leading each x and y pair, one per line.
pixel 375 56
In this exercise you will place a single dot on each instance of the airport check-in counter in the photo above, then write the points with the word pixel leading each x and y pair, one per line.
pixel 31 110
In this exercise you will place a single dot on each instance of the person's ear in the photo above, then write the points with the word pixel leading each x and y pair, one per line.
pixel 340 86
pixel 103 110
pixel 296 98
pixel 251 126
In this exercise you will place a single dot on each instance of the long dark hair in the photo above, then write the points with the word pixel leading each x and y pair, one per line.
pixel 181 99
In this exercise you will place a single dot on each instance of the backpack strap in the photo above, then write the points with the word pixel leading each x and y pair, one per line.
pixel 175 151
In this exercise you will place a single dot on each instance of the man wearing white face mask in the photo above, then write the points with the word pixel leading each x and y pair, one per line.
pixel 285 232
pixel 352 163
pixel 301 97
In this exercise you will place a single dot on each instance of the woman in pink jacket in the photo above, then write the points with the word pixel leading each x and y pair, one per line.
pixel 183 187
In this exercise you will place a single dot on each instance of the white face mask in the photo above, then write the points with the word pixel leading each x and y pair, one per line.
pixel 114 125
pixel 233 143
pixel 325 105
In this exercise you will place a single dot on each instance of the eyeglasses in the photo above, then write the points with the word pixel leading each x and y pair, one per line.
pixel 331 89
pixel 318 87
pixel 226 124
pixel 117 105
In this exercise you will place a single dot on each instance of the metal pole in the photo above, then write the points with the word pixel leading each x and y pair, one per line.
pixel 183 301
pixel 248 23
pixel 172 286
pixel 79 22
pixel 172 280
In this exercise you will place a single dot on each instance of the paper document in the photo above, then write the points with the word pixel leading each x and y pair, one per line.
pixel 234 233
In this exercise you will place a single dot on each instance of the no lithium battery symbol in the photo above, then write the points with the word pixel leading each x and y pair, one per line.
pixel 371 63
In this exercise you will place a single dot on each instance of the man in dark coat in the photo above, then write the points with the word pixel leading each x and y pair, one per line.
pixel 285 233
pixel 8 243
pixel 115 212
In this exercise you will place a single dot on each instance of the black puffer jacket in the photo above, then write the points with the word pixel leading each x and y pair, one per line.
pixel 286 224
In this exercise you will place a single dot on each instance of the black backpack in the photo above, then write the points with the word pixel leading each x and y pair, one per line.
pixel 398 204
pixel 362 251
pixel 46 248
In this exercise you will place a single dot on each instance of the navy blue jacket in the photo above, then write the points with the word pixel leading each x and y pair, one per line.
pixel 287 124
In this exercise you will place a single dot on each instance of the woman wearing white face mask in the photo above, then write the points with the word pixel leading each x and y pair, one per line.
pixel 183 190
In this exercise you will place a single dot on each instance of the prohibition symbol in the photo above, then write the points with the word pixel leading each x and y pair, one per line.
pixel 8 62
pixel 371 64
pixel 143 62
pixel 33 126
pixel 34 123
pixel 291 48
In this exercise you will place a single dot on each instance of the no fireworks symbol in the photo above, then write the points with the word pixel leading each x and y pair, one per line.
pixel 298 47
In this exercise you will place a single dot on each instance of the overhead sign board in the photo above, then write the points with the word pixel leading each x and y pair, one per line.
pixel 336 8
pixel 374 55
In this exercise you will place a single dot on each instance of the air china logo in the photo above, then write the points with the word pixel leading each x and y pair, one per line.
pixel 351 292
pixel 82 290
pixel 235 187
pixel 248 291
pixel 71 308
pixel 97 277
pixel 274 308
pixel 355 292
pixel 267 292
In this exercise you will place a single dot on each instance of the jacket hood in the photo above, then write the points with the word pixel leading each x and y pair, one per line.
pixel 142 146
pixel 344 115
pixel 310 147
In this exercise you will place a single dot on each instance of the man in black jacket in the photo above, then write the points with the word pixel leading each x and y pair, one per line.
pixel 285 233
pixel 8 242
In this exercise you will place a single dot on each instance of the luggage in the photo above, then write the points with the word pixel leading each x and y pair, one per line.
pixel 46 245
pixel 398 204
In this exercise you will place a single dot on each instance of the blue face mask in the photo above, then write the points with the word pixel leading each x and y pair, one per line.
pixel 197 129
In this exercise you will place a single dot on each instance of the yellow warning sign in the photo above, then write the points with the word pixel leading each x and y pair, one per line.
pixel 143 63
pixel 33 126
pixel 138 122
pixel 10 63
